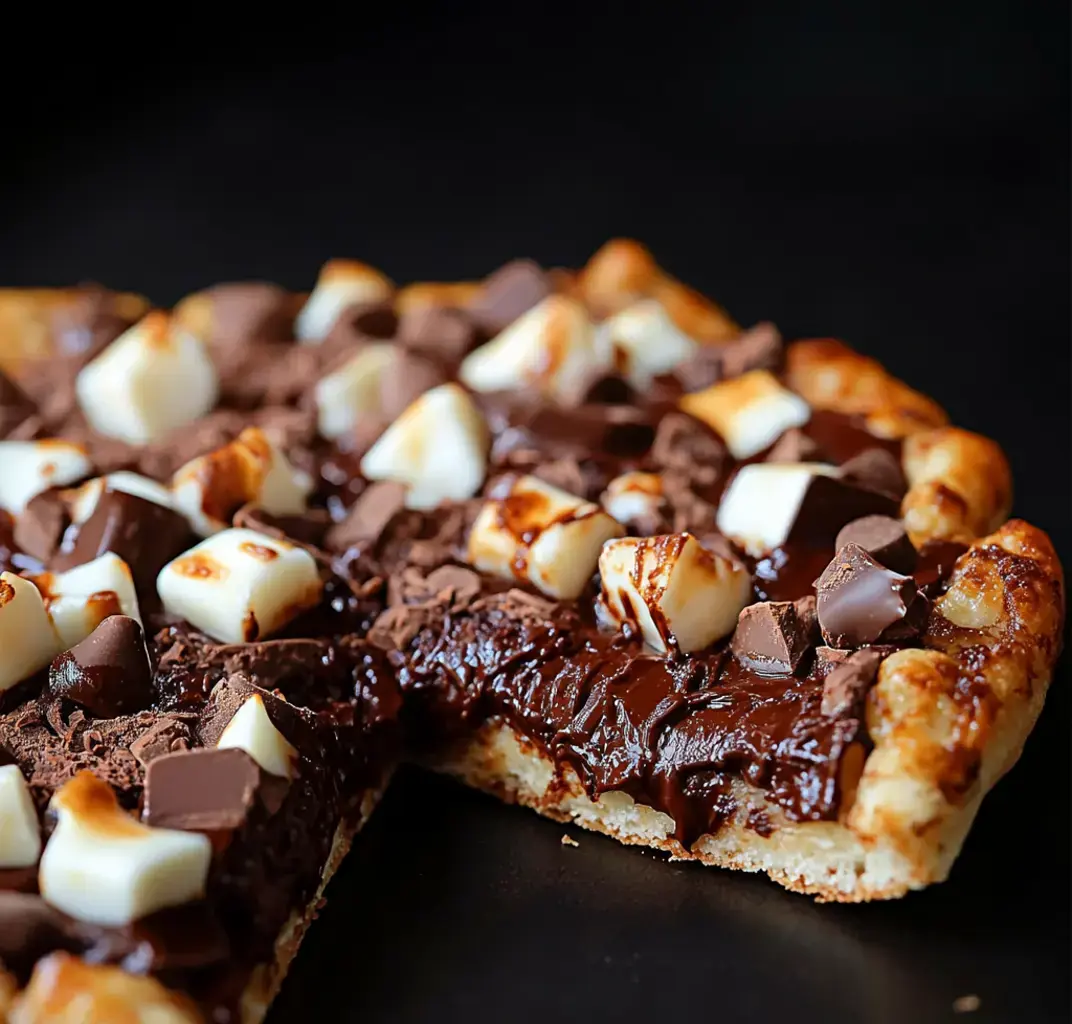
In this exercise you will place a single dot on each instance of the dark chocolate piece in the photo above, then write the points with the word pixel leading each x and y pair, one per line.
pixel 40 526
pixel 875 469
pixel 248 312
pixel 29 929
pixel 794 446
pixel 85 327
pixel 848 682
pixel 884 539
pixel 307 529
pixel 15 405
pixel 169 734
pixel 936 561
pixel 404 379
pixel 360 323
pixel 508 293
pixel 369 516
pixel 450 585
pixel 861 602
pixel 445 335
pixel 145 535
pixel 108 673
pixel 687 446
pixel 829 503
pixel 205 790
pixel 759 348
pixel 772 637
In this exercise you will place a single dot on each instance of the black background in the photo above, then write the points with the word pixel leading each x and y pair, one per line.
pixel 897 177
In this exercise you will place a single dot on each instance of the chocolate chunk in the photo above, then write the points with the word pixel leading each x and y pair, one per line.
pixel 599 387
pixel 168 735
pixel 876 470
pixel 445 335
pixel 206 790
pixel 15 405
pixel 90 323
pixel 702 369
pixel 453 586
pixel 108 673
pixel 794 446
pixel 862 602
pixel 307 529
pixel 231 693
pixel 145 535
pixel 405 378
pixel 936 561
pixel 174 939
pixel 759 348
pixel 40 526
pixel 773 636
pixel 361 323
pixel 829 503
pixel 512 290
pixel 687 446
pixel 845 687
pixel 30 928
pixel 884 539
pixel 369 515
pixel 248 312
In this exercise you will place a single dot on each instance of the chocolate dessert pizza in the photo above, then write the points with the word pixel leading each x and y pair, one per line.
pixel 575 538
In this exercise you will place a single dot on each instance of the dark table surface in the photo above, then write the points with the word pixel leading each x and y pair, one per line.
pixel 898 178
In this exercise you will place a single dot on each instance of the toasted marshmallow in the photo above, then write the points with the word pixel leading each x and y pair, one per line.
pixel 352 391
pixel 341 283
pixel 27 637
pixel 541 534
pixel 29 467
pixel 151 379
pixel 645 341
pixel 633 497
pixel 208 490
pixel 678 593
pixel 239 585
pixel 79 600
pixel 438 447
pixel 81 501
pixel 761 503
pixel 102 866
pixel 252 730
pixel 20 833
pixel 750 412
pixel 553 348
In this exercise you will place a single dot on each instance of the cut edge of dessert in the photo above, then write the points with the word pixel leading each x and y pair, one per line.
pixel 580 539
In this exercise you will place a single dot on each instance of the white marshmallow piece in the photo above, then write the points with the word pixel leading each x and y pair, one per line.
pixel 352 391
pixel 678 593
pixel 252 730
pixel 27 637
pixel 341 283
pixel 80 599
pixel 20 833
pixel 151 379
pixel 239 585
pixel 760 504
pixel 102 866
pixel 438 447
pixel 82 501
pixel 542 535
pixel 645 341
pixel 633 497
pixel 553 348
pixel 29 467
pixel 208 490
pixel 750 412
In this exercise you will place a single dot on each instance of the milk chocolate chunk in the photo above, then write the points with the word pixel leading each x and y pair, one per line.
pixel 884 539
pixel 247 312
pixel 875 469
pixel 861 602
pixel 405 378
pixel 90 323
pixel 108 673
pixel 772 637
pixel 145 535
pixel 369 515
pixel 204 790
pixel 29 929
pixel 794 446
pixel 512 290
pixel 169 734
pixel 685 445
pixel 759 348
pixel 15 405
pixel 40 526
pixel 848 682
pixel 307 529
pixel 702 369
pixel 445 335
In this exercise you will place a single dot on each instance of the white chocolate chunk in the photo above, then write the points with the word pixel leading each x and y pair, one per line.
pixel 80 599
pixel 677 592
pixel 750 412
pixel 352 391
pixel 341 283
pixel 252 730
pixel 541 534
pixel 151 379
pixel 553 348
pixel 27 639
pixel 208 490
pixel 29 467
pixel 102 866
pixel 760 504
pixel 645 341
pixel 20 833
pixel 633 497
pixel 438 447
pixel 81 501
pixel 239 585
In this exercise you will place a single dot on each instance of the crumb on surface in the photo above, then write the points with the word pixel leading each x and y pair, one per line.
pixel 568 840
pixel 966 1004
